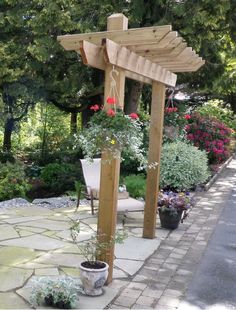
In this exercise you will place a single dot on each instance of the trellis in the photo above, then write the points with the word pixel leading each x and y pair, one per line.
pixel 150 55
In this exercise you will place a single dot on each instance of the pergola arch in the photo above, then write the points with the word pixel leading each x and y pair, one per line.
pixel 151 55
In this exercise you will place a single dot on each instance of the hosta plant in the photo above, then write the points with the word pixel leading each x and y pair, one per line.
pixel 183 166
pixel 111 130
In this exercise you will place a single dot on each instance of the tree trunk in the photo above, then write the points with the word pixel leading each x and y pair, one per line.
pixel 131 105
pixel 73 123
pixel 232 100
pixel 8 128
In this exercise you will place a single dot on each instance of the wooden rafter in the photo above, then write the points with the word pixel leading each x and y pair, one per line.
pixel 157 44
pixel 123 58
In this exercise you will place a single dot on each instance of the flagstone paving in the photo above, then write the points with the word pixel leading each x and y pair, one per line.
pixel 36 241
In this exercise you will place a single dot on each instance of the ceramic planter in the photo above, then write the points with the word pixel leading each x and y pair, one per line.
pixel 93 279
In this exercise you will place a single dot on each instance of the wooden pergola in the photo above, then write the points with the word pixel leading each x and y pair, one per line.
pixel 150 55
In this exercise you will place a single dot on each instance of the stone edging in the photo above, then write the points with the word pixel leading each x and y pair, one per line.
pixel 214 178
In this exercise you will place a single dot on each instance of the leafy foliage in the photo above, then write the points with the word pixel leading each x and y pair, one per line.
pixel 60 177
pixel 172 203
pixel 183 166
pixel 112 131
pixel 215 108
pixel 136 185
pixel 59 293
pixel 210 135
pixel 13 182
pixel 94 247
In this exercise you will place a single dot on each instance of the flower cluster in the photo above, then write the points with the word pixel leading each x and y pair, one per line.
pixel 174 116
pixel 171 110
pixel 173 203
pixel 210 135
pixel 111 130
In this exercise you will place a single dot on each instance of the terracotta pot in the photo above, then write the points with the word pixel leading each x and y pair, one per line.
pixel 93 279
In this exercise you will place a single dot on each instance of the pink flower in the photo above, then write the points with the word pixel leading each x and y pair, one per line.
pixel 111 100
pixel 94 107
pixel 187 116
pixel 187 127
pixel 133 115
pixel 110 112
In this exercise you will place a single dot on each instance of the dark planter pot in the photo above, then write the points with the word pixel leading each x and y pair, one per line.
pixel 49 301
pixel 170 220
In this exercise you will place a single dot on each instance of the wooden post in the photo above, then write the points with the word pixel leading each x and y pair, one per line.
pixel 110 171
pixel 154 155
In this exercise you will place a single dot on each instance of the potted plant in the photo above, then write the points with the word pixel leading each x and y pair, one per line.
pixel 59 293
pixel 109 129
pixel 93 272
pixel 173 208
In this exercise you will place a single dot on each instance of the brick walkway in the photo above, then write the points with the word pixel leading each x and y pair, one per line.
pixel 162 281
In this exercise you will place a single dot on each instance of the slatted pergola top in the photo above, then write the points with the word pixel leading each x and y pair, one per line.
pixel 159 44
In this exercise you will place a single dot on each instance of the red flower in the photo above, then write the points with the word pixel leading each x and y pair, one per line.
pixel 133 115
pixel 110 112
pixel 94 107
pixel 187 116
pixel 111 100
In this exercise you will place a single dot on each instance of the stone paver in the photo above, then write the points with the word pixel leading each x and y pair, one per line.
pixel 12 301
pixel 37 242
pixel 12 278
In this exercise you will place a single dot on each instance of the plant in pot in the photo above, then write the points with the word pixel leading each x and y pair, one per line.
pixel 110 130
pixel 173 208
pixel 93 272
pixel 59 293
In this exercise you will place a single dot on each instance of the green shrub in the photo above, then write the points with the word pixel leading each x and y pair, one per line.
pixel 6 156
pixel 183 166
pixel 136 185
pixel 13 181
pixel 61 177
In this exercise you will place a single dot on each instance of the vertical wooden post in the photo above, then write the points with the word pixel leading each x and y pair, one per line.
pixel 154 155
pixel 110 171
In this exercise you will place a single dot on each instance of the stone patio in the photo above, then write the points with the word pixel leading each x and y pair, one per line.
pixel 35 241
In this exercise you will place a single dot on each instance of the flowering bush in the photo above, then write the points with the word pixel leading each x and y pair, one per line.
pixel 216 108
pixel 210 135
pixel 111 130
pixel 183 166
pixel 172 203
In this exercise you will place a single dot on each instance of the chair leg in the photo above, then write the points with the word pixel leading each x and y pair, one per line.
pixel 78 201
pixel 92 203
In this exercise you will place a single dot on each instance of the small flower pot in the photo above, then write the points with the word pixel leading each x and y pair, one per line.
pixel 49 301
pixel 170 220
pixel 93 277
